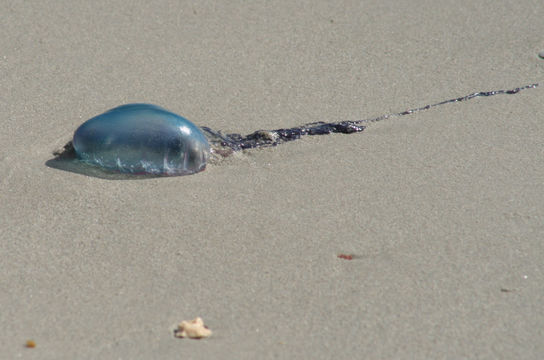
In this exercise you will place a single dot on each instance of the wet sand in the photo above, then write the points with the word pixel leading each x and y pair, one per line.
pixel 442 211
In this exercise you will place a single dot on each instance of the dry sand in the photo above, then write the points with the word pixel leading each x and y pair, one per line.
pixel 443 210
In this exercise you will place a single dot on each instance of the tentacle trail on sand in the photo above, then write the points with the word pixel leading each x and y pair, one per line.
pixel 226 143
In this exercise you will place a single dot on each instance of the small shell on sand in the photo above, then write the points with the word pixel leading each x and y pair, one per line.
pixel 194 329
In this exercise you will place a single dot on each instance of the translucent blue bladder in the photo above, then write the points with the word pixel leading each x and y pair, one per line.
pixel 142 139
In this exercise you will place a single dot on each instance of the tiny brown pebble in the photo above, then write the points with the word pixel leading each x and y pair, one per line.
pixel 345 257
pixel 30 344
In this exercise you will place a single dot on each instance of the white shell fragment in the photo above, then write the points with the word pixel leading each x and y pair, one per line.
pixel 193 329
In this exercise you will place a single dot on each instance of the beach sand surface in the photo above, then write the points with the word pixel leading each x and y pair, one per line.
pixel 442 211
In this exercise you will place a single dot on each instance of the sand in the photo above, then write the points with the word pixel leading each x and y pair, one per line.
pixel 442 211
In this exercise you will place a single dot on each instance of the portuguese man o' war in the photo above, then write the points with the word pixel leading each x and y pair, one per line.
pixel 145 139
pixel 142 139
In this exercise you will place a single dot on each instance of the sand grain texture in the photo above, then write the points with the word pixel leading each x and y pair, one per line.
pixel 440 210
